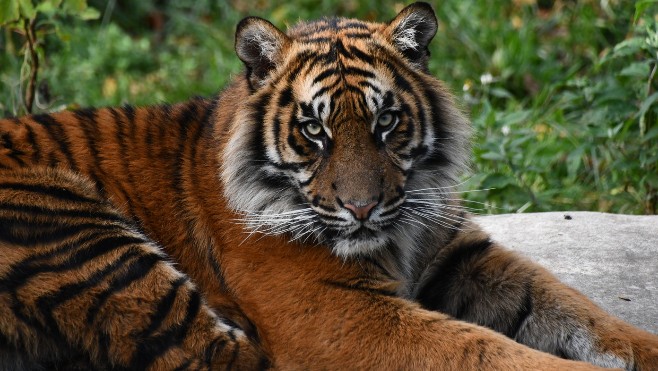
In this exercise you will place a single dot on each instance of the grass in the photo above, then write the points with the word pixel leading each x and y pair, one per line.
pixel 562 93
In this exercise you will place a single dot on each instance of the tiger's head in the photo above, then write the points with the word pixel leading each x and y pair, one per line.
pixel 345 138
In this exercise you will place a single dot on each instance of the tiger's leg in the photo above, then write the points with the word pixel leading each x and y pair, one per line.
pixel 76 278
pixel 478 281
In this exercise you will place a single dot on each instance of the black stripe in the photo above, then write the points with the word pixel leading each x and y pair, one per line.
pixel 524 311
pixel 57 134
pixel 434 294
pixel 25 270
pixel 324 75
pixel 185 366
pixel 188 123
pixel 361 55
pixel 215 349
pixel 292 166
pixel 276 134
pixel 57 192
pixel 164 119
pixel 14 153
pixel 307 59
pixel 41 233
pixel 257 142
pixel 389 213
pixel 124 154
pixel 151 348
pixel 359 286
pixel 358 72
pixel 317 40
pixel 36 211
pixel 31 139
pixel 299 149
pixel 162 309
pixel 137 270
pixel 63 248
pixel 377 264
pixel 47 303
pixel 358 35
pixel 285 97
pixel 206 127
pixel 273 181
pixel 234 355
pixel 150 115
pixel 325 89
pixel 393 200
pixel 317 27
pixel 89 126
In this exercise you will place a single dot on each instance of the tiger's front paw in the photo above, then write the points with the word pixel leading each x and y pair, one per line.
pixel 645 351
pixel 240 354
pixel 628 348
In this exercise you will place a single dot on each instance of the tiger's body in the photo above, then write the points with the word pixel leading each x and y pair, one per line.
pixel 336 151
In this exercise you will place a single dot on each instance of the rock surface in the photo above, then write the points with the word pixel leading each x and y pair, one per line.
pixel 613 259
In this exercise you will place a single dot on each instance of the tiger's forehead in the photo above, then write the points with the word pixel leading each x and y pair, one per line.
pixel 340 90
pixel 340 70
pixel 332 28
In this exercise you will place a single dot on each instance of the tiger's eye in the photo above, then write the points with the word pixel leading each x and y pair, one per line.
pixel 313 128
pixel 385 120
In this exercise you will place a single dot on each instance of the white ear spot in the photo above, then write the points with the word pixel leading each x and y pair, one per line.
pixel 259 43
pixel 412 30
pixel 406 37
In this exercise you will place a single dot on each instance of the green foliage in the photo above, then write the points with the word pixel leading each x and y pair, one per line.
pixel 34 21
pixel 562 93
pixel 16 10
pixel 586 136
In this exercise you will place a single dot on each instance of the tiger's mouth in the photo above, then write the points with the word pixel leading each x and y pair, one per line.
pixel 360 237
pixel 363 233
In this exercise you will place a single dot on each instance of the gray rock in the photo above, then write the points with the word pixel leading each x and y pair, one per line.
pixel 613 259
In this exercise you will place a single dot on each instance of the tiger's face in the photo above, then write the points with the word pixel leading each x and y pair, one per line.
pixel 342 125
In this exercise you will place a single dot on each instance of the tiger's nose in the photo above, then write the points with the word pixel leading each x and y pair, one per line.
pixel 360 212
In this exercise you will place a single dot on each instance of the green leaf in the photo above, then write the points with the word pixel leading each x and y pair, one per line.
pixel 651 134
pixel 75 7
pixel 636 69
pixel 628 47
pixel 640 7
pixel 493 156
pixel 89 14
pixel 9 11
pixel 48 6
pixel 498 181
pixel 647 104
pixel 574 160
pixel 27 9
pixel 501 93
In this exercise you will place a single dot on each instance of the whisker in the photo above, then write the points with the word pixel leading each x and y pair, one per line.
pixel 442 192
pixel 424 202
pixel 433 219
pixel 439 218
pixel 438 188
pixel 411 218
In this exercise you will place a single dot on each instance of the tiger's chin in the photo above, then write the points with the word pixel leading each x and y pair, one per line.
pixel 365 242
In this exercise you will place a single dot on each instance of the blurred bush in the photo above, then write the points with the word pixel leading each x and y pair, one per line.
pixel 562 92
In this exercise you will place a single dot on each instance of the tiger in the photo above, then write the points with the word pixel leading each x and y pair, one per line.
pixel 311 205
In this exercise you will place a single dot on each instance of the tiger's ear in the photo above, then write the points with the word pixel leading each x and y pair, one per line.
pixel 260 45
pixel 412 30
